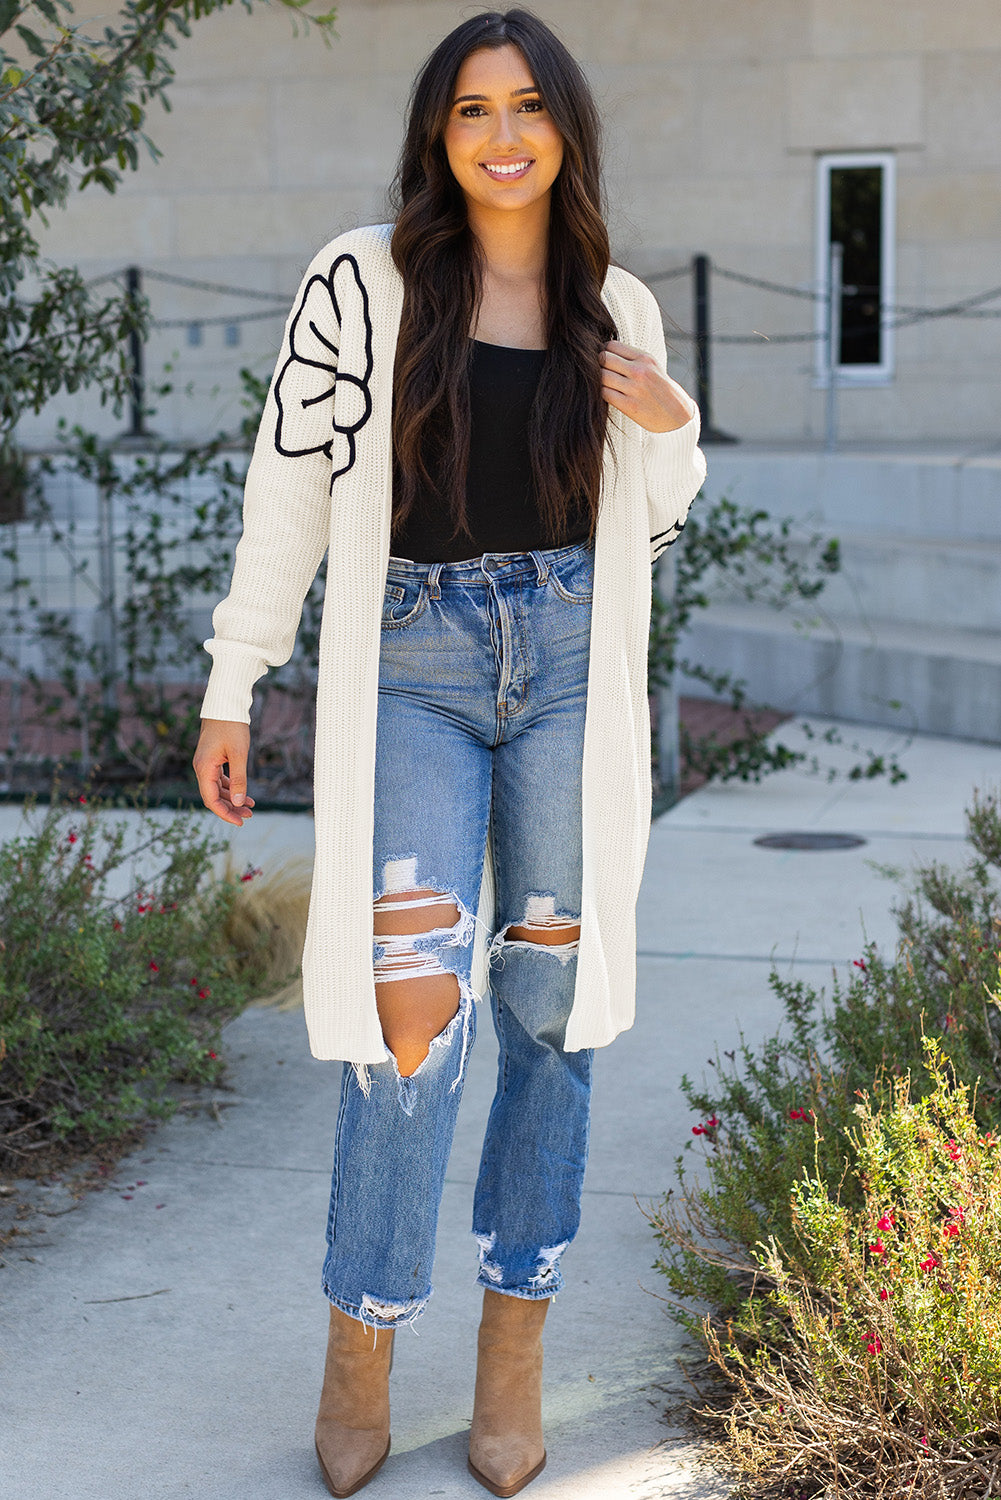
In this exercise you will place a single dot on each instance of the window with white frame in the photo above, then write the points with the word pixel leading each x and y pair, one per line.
pixel 855 209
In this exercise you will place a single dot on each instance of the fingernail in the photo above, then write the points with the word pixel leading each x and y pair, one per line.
pixel 237 799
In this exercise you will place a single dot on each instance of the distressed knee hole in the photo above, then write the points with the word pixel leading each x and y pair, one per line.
pixel 413 1013
pixel 550 937
pixel 417 996
pixel 541 927
pixel 409 912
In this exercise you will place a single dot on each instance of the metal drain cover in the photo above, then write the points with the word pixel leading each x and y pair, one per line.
pixel 809 841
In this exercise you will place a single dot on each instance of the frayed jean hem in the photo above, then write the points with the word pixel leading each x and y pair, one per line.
pixel 376 1312
pixel 526 1293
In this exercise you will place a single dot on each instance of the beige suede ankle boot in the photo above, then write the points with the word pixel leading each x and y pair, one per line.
pixel 506 1450
pixel 352 1426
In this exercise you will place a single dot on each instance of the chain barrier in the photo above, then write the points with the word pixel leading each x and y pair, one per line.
pixel 670 275
pixel 903 315
pixel 216 286
pixel 908 313
pixel 223 320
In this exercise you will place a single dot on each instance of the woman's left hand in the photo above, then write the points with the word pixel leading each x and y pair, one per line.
pixel 634 384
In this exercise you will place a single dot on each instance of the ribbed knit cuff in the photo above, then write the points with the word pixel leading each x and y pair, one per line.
pixel 670 458
pixel 230 690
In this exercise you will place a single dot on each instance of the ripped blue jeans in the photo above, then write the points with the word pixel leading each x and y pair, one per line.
pixel 482 690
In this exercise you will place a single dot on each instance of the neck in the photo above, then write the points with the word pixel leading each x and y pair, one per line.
pixel 514 245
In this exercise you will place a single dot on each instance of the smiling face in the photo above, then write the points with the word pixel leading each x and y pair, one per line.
pixel 502 144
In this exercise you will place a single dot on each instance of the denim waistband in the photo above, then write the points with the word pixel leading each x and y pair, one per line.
pixel 490 565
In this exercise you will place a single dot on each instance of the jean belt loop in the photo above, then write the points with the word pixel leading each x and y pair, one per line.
pixel 541 567
pixel 433 577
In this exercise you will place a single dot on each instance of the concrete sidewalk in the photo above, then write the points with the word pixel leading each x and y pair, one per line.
pixel 165 1338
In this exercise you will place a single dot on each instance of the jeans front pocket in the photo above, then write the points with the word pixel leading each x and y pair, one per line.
pixel 404 599
pixel 571 574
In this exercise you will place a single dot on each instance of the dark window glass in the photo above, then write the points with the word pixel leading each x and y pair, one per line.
pixel 857 223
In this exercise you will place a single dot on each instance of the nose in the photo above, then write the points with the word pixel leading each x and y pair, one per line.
pixel 506 130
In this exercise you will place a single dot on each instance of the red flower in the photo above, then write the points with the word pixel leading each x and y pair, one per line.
pixel 213 1055
pixel 874 1344
pixel 82 801
pixel 878 1248
pixel 698 1130
pixel 116 926
pixel 154 967
pixel 885 1223
pixel 925 1441
pixel 953 1151
pixel 884 1295
pixel 193 981
pixel 930 1264
pixel 204 995
pixel 249 875
pixel 796 1114
pixel 950 1229
pixel 712 1121
pixel 72 836
pixel 860 965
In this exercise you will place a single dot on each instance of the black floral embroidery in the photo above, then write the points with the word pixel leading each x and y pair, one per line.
pixel 315 368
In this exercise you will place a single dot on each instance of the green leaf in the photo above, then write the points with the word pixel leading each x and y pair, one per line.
pixel 32 41
pixel 12 77
pixel 8 10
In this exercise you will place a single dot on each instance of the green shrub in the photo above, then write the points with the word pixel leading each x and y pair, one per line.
pixel 886 1379
pixel 789 1178
pixel 116 975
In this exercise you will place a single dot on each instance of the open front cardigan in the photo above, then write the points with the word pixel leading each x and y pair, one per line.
pixel 321 477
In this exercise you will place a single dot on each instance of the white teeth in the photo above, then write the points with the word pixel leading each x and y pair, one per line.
pixel 517 166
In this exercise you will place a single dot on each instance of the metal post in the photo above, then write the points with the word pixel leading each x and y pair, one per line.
pixel 137 429
pixel 668 741
pixel 834 280
pixel 700 282
pixel 703 382
pixel 107 617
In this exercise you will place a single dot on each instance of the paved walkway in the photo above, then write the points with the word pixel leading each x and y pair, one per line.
pixel 165 1339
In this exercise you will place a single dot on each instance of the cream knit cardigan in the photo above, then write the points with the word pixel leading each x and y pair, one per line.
pixel 320 477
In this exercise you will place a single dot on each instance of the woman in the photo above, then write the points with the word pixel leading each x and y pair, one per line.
pixel 472 413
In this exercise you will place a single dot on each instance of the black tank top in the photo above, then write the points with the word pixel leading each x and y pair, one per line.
pixel 501 503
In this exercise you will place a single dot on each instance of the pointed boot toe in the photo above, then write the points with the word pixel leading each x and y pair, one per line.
pixel 504 1467
pixel 348 1458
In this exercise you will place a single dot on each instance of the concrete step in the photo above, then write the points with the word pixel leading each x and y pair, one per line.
pixel 939 679
pixel 947 494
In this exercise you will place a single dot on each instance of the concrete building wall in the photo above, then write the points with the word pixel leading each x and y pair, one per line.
pixel 715 115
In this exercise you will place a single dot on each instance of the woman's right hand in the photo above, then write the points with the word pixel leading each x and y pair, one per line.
pixel 224 741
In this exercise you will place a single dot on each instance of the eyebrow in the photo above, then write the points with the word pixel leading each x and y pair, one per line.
pixel 482 98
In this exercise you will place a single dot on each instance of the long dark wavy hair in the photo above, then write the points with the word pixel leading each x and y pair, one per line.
pixel 437 255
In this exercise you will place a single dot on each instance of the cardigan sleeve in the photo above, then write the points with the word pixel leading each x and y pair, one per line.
pixel 286 507
pixel 673 463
